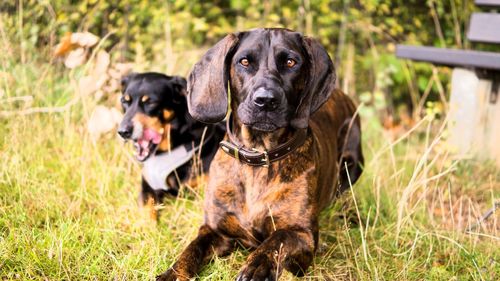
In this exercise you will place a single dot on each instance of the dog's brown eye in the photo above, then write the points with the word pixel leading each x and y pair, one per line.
pixel 244 62
pixel 126 99
pixel 290 63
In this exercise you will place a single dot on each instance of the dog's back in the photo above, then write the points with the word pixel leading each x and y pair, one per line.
pixel 335 135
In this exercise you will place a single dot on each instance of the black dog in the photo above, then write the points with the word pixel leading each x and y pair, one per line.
pixel 157 121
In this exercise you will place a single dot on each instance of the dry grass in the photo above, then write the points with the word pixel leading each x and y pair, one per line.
pixel 68 204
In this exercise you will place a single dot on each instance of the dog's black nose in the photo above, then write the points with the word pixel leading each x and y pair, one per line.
pixel 265 99
pixel 125 131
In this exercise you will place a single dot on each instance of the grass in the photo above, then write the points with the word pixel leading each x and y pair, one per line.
pixel 68 206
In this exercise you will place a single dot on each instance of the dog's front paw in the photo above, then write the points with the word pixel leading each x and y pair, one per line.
pixel 258 268
pixel 171 275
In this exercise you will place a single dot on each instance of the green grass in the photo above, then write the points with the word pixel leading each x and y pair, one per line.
pixel 68 206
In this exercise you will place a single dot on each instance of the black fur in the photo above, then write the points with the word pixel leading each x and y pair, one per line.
pixel 167 93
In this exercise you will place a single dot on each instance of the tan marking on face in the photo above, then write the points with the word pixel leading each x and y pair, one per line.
pixel 165 143
pixel 267 141
pixel 155 124
pixel 168 115
pixel 127 97
pixel 148 122
pixel 271 140
pixel 145 98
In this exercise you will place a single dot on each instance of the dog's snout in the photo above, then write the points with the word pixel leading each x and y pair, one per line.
pixel 267 100
pixel 125 130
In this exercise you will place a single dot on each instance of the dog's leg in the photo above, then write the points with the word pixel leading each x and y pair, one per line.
pixel 147 194
pixel 350 154
pixel 148 199
pixel 289 248
pixel 207 244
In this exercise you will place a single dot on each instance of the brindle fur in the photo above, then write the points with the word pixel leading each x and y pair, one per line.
pixel 274 210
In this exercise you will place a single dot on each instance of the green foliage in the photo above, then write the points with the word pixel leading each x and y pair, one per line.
pixel 155 30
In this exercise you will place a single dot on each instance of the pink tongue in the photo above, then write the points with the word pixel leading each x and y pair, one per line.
pixel 144 144
pixel 151 135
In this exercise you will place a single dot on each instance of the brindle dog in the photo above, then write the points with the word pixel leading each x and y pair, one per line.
pixel 280 83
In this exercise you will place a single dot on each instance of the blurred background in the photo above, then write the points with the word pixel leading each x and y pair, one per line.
pixel 169 36
pixel 68 185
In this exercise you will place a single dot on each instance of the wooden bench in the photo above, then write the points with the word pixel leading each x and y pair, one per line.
pixel 474 113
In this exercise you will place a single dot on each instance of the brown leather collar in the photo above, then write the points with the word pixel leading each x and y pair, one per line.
pixel 254 157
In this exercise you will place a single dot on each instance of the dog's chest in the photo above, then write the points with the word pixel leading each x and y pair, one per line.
pixel 260 203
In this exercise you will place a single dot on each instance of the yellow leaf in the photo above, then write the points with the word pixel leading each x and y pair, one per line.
pixel 123 68
pixel 101 63
pixel 87 85
pixel 84 39
pixel 75 58
pixel 103 120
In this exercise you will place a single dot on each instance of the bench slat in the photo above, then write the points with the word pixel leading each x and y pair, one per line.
pixel 484 27
pixel 450 57
pixel 491 3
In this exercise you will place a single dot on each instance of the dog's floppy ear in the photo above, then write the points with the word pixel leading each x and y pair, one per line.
pixel 208 81
pixel 350 154
pixel 126 79
pixel 319 85
pixel 179 85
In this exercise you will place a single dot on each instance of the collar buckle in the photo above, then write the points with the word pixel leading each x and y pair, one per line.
pixel 266 159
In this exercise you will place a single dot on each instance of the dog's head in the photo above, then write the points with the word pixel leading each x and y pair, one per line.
pixel 150 101
pixel 277 79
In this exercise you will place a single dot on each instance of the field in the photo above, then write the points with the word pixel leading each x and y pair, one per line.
pixel 68 207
